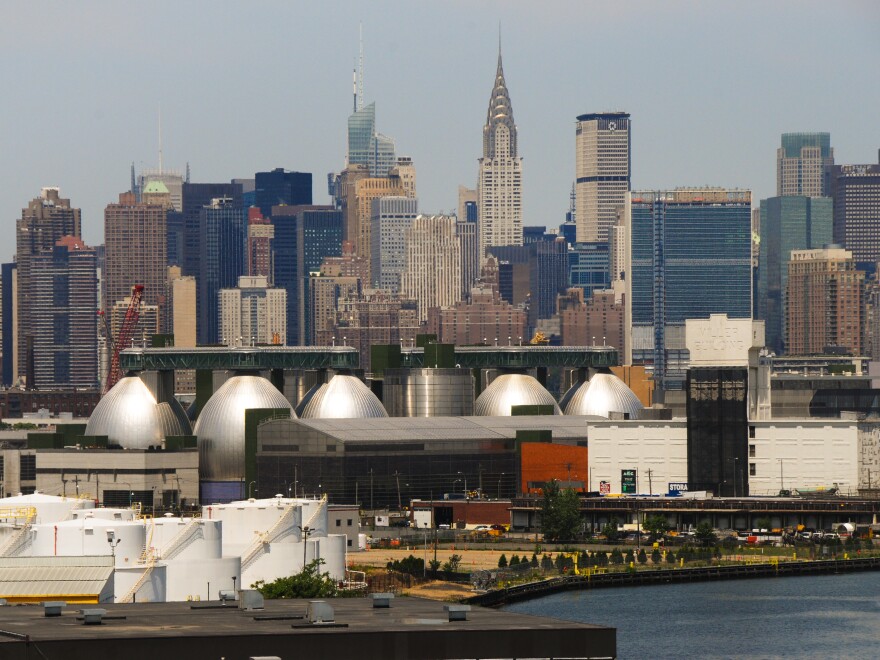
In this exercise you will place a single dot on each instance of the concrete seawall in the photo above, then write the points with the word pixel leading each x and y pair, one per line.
pixel 663 576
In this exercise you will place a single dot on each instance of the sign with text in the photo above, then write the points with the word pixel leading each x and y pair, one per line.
pixel 604 487
pixel 628 482
pixel 677 487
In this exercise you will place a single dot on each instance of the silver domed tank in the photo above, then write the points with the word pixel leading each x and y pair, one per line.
pixel 513 390
pixel 130 417
pixel 343 397
pixel 602 395
pixel 220 426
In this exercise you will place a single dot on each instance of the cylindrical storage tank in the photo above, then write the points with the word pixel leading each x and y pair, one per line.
pixel 187 538
pixel 602 395
pixel 90 536
pixel 50 508
pixel 333 553
pixel 220 426
pixel 429 392
pixel 299 381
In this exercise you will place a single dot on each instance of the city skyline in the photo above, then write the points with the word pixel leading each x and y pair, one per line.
pixel 230 112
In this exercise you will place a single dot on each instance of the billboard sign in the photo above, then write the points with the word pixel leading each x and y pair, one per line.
pixel 604 487
pixel 628 482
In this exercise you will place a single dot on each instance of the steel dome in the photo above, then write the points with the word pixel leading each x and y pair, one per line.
pixel 220 426
pixel 130 417
pixel 512 390
pixel 343 397
pixel 602 395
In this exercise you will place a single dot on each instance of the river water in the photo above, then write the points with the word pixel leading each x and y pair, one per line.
pixel 828 616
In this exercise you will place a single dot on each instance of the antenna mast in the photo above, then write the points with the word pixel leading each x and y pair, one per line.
pixel 160 139
pixel 360 83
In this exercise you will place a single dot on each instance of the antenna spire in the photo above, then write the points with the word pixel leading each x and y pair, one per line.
pixel 160 139
pixel 360 81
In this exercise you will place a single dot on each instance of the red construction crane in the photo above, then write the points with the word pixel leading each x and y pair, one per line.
pixel 132 315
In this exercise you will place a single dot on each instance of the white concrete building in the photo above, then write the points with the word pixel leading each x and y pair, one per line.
pixel 657 450
pixel 390 218
pixel 253 313
pixel 432 275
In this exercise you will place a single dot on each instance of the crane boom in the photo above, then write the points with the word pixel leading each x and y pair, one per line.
pixel 132 315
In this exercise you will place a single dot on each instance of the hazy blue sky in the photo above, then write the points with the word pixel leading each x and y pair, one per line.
pixel 247 86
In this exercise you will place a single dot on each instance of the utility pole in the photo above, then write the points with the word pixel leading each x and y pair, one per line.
pixel 481 480
pixel 650 483
pixel 371 489
pixel 399 503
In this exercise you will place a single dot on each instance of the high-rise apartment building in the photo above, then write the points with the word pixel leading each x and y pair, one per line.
pixel 803 164
pixel 135 244
pixel 46 219
pixel 65 329
pixel 786 224
pixel 261 231
pixel 689 257
pixel 253 313
pixel 856 192
pixel 432 273
pixel 598 321
pixel 282 188
pixel 390 218
pixel 602 167
pixel 824 302
pixel 324 293
pixel 222 260
pixel 499 187
pixel 468 234
pixel 482 320
pixel 589 267
pixel 406 170
pixel 183 326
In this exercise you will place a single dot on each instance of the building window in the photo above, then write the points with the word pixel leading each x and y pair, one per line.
pixel 338 522
pixel 349 522
pixel 752 470
pixel 28 468
pixel 751 431
pixel 751 451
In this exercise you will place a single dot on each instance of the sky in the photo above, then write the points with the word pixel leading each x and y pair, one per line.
pixel 250 86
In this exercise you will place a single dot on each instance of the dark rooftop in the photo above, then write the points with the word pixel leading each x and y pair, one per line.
pixel 410 628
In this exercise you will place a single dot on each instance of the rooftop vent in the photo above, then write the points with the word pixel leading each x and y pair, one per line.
pixel 381 600
pixel 320 612
pixel 93 617
pixel 457 612
pixel 250 599
pixel 53 607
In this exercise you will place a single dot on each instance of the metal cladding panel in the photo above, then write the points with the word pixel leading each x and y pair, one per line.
pixel 344 397
pixel 220 426
pixel 512 390
pixel 130 417
pixel 429 392
pixel 602 395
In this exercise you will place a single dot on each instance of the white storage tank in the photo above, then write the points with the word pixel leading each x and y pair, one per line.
pixel 49 508
pixel 90 536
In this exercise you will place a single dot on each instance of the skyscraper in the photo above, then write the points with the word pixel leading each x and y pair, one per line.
pixel 390 218
pixel 318 236
pixel 279 187
pixel 856 191
pixel 136 240
pixel 360 209
pixel 10 323
pixel 689 257
pixel 46 219
pixel 499 187
pixel 65 339
pixel 602 167
pixel 824 302
pixel 253 313
pixel 259 244
pixel 195 197
pixel 803 164
pixel 787 223
pixel 222 261
pixel 432 274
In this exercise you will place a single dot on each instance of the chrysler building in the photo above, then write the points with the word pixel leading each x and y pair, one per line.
pixel 499 188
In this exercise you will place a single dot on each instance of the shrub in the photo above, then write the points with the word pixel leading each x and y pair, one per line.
pixel 502 561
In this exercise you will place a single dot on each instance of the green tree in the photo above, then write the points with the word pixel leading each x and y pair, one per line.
pixel 546 562
pixel 705 534
pixel 534 562
pixel 616 557
pixel 434 565
pixel 601 558
pixel 763 523
pixel 308 583
pixel 452 563
pixel 656 525
pixel 560 513
pixel 609 530
pixel 514 560
pixel 642 557
pixel 502 561
pixel 630 557
pixel 656 557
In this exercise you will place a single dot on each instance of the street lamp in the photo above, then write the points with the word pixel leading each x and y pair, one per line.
pixel 425 565
pixel 305 534
pixel 781 480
